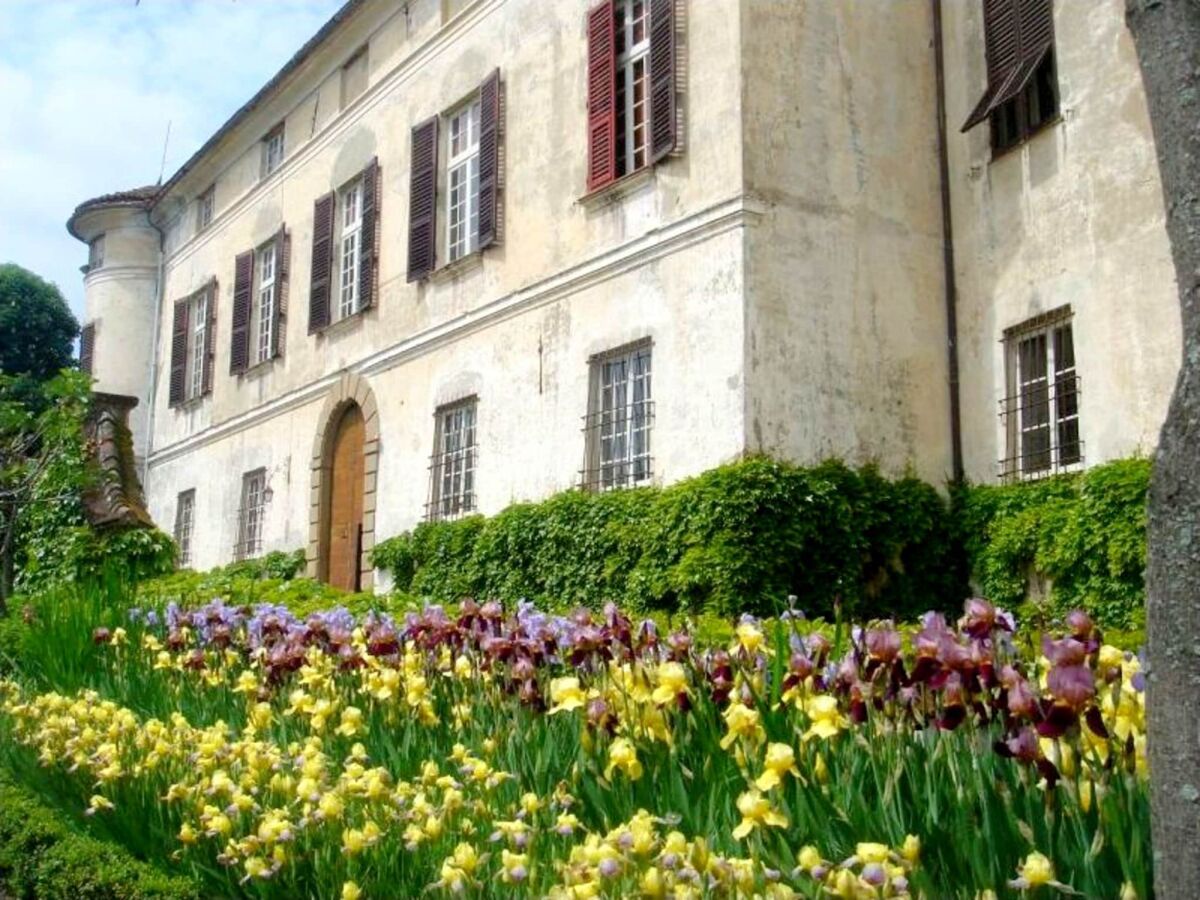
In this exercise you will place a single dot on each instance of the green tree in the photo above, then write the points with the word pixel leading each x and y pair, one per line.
pixel 37 333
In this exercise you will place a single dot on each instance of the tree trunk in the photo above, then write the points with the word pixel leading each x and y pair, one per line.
pixel 1167 36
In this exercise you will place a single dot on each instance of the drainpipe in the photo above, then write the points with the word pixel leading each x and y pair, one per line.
pixel 150 398
pixel 947 248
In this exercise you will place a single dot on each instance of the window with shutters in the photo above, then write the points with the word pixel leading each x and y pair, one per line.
pixel 1041 412
pixel 272 150
pixel 263 310
pixel 185 517
pixel 96 253
pixel 462 180
pixel 354 77
pixel 452 466
pixel 205 205
pixel 197 344
pixel 619 420
pixel 349 255
pixel 1021 96
pixel 251 514
pixel 87 348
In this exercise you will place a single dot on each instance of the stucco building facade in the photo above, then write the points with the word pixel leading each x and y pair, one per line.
pixel 461 254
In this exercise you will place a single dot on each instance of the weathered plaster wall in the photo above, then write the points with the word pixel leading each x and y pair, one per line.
pixel 845 323
pixel 570 278
pixel 1074 216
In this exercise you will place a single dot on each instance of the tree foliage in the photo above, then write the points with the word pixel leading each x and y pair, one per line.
pixel 37 332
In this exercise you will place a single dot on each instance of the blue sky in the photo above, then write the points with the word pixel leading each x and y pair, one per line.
pixel 87 88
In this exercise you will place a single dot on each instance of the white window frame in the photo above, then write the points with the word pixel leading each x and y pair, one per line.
pixel 262 314
pixel 185 523
pixel 633 59
pixel 252 514
pixel 349 256
pixel 455 460
pixel 96 253
pixel 1045 399
pixel 205 207
pixel 462 180
pixel 620 419
pixel 273 149
pixel 197 345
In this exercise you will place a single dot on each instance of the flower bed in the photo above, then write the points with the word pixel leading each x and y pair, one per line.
pixel 492 752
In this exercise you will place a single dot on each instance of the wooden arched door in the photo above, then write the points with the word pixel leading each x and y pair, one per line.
pixel 343 540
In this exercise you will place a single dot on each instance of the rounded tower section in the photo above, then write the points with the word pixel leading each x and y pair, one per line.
pixel 120 284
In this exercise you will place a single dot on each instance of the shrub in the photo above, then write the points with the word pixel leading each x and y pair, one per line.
pixel 43 856
pixel 1084 533
pixel 742 537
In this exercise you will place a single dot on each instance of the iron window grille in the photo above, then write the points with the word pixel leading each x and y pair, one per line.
pixel 454 461
pixel 251 515
pixel 620 420
pixel 1041 412
pixel 185 518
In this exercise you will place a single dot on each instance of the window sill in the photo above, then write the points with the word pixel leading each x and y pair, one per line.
pixel 453 270
pixel 614 191
pixel 259 368
pixel 345 323
pixel 1045 127
pixel 191 403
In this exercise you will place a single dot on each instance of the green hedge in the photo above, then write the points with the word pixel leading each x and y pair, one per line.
pixel 42 856
pixel 1086 533
pixel 739 538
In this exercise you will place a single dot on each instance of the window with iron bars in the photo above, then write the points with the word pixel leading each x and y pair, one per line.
pixel 455 456
pixel 1041 412
pixel 185 518
pixel 619 421
pixel 251 514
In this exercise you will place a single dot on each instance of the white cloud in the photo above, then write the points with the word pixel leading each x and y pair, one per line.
pixel 87 88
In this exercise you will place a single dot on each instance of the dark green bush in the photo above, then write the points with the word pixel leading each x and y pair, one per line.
pixel 1084 533
pixel 740 538
pixel 42 856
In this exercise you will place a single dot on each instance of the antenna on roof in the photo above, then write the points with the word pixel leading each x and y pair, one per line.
pixel 163 165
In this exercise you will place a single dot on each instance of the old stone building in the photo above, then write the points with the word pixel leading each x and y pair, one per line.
pixel 460 253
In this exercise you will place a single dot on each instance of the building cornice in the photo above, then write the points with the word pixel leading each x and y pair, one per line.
pixel 118 273
pixel 728 215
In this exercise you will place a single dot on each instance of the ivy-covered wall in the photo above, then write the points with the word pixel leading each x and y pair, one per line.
pixel 1083 534
pixel 739 538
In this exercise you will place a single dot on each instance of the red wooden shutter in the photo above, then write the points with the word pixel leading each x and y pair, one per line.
pixel 283 266
pixel 87 347
pixel 662 78
pixel 322 263
pixel 601 96
pixel 210 337
pixel 489 159
pixel 368 260
pixel 243 288
pixel 179 335
pixel 422 201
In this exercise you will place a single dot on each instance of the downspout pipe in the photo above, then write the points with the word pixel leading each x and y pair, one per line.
pixel 153 373
pixel 951 286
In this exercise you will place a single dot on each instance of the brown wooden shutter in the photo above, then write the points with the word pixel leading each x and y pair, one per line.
pixel 662 78
pixel 322 263
pixel 601 96
pixel 179 335
pixel 489 159
pixel 368 259
pixel 422 201
pixel 1017 36
pixel 87 348
pixel 283 268
pixel 210 338
pixel 243 289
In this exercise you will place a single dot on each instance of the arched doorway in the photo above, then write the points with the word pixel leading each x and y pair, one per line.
pixel 345 460
pixel 343 539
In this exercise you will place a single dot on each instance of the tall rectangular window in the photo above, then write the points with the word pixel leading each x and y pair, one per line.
pixel 619 420
pixel 452 467
pixel 185 517
pixel 1041 413
pixel 272 150
pixel 205 205
pixel 633 58
pixel 349 248
pixel 251 514
pixel 264 303
pixel 197 347
pixel 462 182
